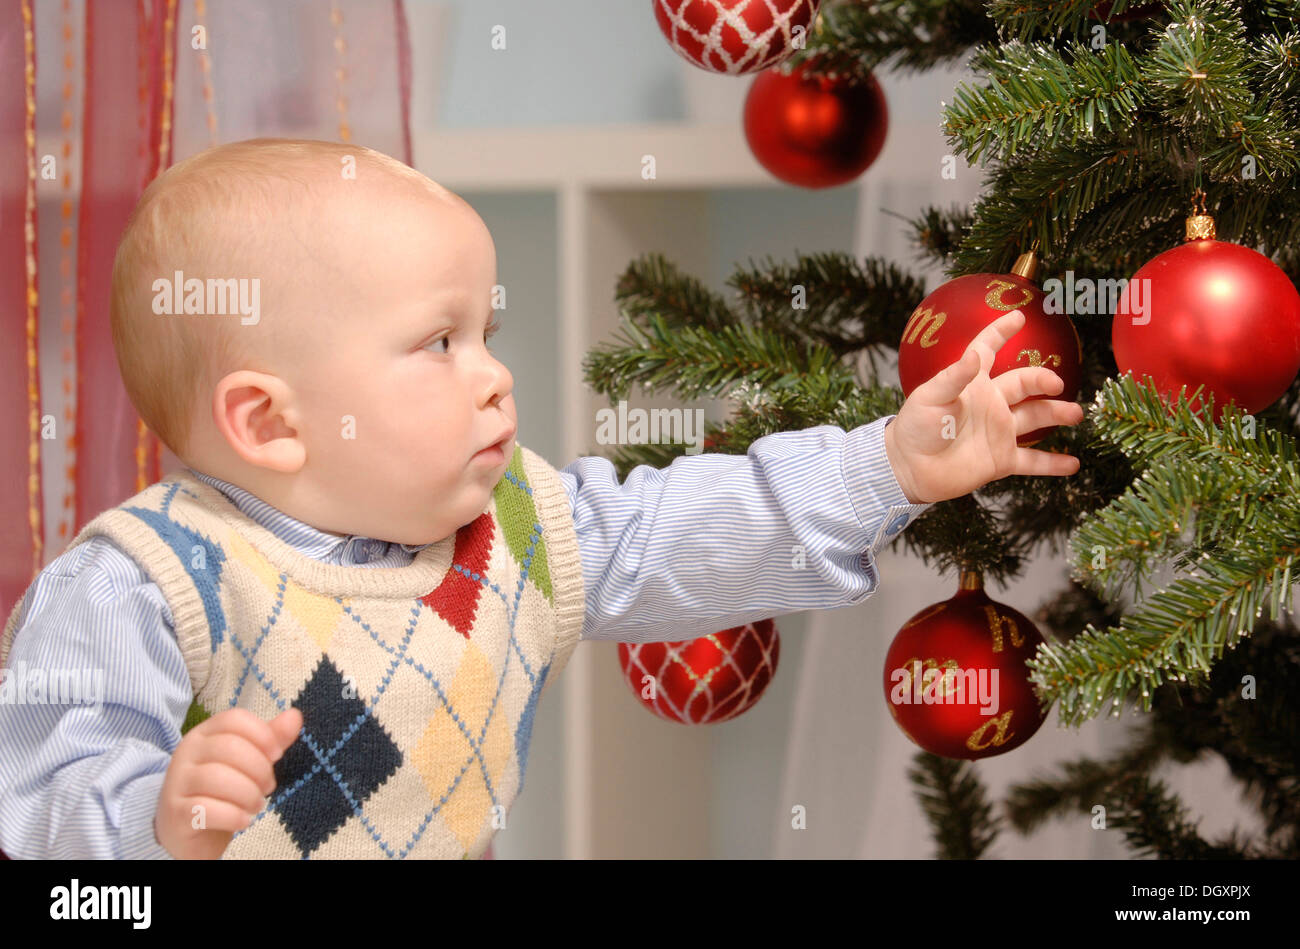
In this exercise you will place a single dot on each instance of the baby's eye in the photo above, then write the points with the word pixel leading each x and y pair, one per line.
pixel 488 331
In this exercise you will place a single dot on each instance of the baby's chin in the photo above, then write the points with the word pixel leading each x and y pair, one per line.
pixel 438 533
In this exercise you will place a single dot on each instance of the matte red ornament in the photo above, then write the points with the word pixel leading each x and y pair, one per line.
pixel 1217 315
pixel 943 325
pixel 940 681
pixel 735 37
pixel 815 132
pixel 705 680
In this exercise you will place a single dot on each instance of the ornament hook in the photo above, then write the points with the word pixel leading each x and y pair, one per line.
pixel 1200 225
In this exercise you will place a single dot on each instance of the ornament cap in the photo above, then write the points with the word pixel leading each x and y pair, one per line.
pixel 971 580
pixel 1200 227
pixel 1027 265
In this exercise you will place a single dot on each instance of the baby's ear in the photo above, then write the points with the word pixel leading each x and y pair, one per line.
pixel 254 412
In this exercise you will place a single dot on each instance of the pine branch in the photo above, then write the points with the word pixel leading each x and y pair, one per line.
pixel 1257 733
pixel 1155 822
pixel 1257 738
pixel 849 306
pixel 956 804
pixel 858 36
pixel 1073 609
pixel 964 533
pixel 1028 18
pixel 654 285
pixel 1081 785
pixel 1242 556
pixel 1196 70
pixel 697 362
pixel 937 233
pixel 1277 62
pixel 1038 100
pixel 1135 418
pixel 1044 197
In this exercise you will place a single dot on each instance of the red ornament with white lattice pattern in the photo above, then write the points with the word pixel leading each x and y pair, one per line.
pixel 705 680
pixel 735 37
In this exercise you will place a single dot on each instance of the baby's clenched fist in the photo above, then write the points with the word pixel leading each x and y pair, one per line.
pixel 218 778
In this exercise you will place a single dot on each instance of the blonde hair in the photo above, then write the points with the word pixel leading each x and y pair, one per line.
pixel 214 215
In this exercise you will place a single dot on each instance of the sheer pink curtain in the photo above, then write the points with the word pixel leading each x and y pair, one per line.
pixel 157 80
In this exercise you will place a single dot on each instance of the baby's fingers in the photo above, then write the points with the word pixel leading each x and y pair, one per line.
pixel 1031 461
pixel 1019 384
pixel 1042 413
pixel 224 782
pixel 946 385
pixel 221 815
pixel 994 336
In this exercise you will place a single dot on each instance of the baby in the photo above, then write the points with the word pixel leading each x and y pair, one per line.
pixel 326 635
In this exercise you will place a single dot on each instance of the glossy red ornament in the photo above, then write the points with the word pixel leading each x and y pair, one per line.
pixel 943 325
pixel 939 676
pixel 815 132
pixel 735 37
pixel 1219 315
pixel 705 680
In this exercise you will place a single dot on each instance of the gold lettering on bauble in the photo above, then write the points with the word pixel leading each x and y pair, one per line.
pixel 924 323
pixel 1000 736
pixel 997 288
pixel 1036 358
pixel 945 679
pixel 995 627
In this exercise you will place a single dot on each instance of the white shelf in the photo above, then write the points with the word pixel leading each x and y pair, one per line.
pixel 686 156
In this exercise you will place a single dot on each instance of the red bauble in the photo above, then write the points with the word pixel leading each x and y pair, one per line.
pixel 941 328
pixel 1217 315
pixel 735 37
pixel 815 133
pixel 705 680
pixel 972 637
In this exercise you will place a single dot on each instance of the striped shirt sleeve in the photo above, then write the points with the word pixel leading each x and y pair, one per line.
pixel 80 780
pixel 714 541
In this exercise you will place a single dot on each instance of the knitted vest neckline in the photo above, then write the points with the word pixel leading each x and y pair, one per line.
pixel 418 578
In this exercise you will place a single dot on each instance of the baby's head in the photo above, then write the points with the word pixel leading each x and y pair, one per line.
pixel 337 368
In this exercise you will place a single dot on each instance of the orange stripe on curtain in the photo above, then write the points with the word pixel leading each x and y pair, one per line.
pixel 20 488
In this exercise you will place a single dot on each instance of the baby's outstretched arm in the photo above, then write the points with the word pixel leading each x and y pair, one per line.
pixel 716 541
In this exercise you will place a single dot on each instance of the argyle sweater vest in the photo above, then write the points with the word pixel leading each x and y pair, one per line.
pixel 418 685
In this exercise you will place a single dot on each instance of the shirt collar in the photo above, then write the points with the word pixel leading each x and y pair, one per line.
pixel 307 540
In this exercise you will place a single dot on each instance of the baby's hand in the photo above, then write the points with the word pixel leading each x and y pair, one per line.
pixel 936 458
pixel 224 765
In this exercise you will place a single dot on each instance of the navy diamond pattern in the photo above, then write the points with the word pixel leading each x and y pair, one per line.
pixel 313 803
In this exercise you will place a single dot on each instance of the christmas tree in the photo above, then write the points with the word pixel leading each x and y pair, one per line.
pixel 1099 128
